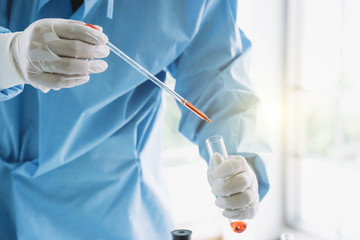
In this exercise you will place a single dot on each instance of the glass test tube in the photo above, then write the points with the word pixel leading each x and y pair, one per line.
pixel 215 144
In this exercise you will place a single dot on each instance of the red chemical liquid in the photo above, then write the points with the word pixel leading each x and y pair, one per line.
pixel 92 26
pixel 195 110
pixel 238 226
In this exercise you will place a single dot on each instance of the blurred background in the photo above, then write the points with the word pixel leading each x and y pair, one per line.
pixel 305 68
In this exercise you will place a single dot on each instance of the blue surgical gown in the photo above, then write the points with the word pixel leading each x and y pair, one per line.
pixel 84 163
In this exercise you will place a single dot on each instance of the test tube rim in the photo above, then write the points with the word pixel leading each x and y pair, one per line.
pixel 219 138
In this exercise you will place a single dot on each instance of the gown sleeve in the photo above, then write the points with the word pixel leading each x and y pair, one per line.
pixel 211 74
pixel 6 68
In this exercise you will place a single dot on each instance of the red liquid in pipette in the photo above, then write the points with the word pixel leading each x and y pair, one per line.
pixel 238 226
pixel 195 110
pixel 92 26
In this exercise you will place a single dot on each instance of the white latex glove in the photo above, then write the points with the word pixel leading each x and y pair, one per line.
pixel 58 53
pixel 235 185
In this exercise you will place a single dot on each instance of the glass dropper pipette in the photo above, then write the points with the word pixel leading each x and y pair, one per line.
pixel 154 79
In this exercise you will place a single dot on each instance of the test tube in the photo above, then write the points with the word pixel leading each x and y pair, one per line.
pixel 215 144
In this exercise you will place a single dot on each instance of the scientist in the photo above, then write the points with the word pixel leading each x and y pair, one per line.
pixel 84 162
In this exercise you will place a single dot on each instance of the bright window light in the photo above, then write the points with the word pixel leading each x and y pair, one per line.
pixel 324 134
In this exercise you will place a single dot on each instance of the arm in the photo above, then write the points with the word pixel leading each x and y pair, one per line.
pixel 211 74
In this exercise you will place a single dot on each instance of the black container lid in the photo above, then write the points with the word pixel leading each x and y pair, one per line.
pixel 181 234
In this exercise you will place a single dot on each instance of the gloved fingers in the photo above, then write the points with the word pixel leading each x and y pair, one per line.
pixel 71 66
pixel 78 49
pixel 240 214
pixel 44 89
pixel 243 213
pixel 216 160
pixel 238 200
pixel 58 81
pixel 235 184
pixel 233 165
pixel 61 20
pixel 77 31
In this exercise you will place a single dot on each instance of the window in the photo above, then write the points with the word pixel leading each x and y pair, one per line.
pixel 323 117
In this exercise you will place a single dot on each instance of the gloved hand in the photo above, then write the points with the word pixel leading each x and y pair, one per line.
pixel 235 185
pixel 58 53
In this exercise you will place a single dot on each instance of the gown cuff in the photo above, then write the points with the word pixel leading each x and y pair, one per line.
pixel 9 76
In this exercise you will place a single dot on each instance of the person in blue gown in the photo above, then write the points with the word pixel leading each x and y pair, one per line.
pixel 80 130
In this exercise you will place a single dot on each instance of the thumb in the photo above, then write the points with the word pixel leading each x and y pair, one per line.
pixel 216 159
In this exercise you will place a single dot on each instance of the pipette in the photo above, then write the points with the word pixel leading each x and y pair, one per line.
pixel 154 79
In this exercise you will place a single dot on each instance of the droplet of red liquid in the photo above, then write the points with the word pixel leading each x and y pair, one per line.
pixel 238 226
